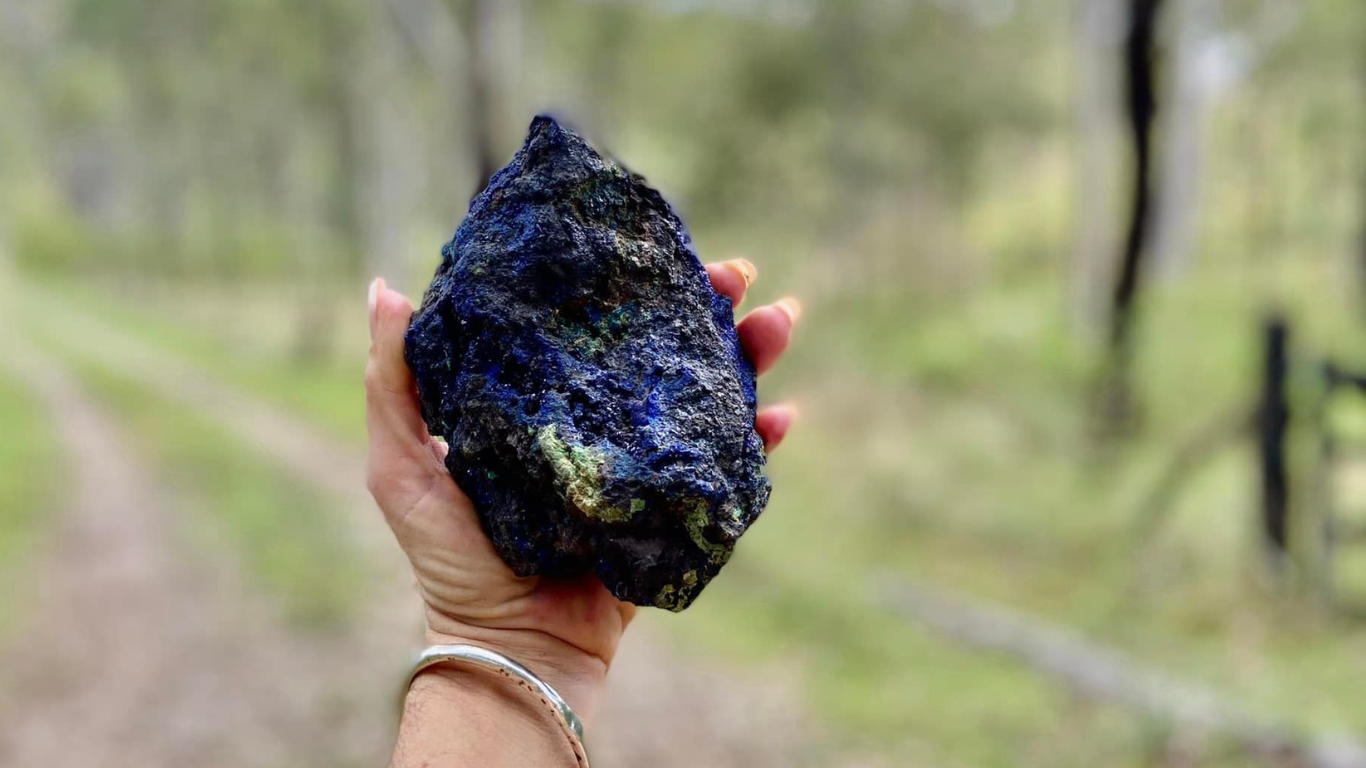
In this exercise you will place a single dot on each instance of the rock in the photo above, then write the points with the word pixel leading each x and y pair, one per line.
pixel 589 381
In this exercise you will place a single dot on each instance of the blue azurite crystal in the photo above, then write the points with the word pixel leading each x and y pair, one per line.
pixel 589 381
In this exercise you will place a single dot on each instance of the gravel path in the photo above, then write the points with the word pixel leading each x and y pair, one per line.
pixel 173 664
pixel 143 650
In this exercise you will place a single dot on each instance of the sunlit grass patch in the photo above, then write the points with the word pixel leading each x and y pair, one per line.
pixel 287 537
pixel 243 338
pixel 30 488
pixel 880 682
pixel 951 445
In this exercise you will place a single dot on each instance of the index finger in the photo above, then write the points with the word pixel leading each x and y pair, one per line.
pixel 732 278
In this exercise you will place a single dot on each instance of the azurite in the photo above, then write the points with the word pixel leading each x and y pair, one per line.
pixel 589 381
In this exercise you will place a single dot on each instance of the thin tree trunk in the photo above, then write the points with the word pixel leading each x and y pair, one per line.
pixel 1097 32
pixel 1205 63
pixel 1183 122
pixel 387 165
pixel 1140 65
pixel 1361 203
pixel 386 189
pixel 480 70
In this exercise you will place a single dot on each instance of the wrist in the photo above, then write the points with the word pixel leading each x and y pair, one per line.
pixel 455 709
pixel 576 675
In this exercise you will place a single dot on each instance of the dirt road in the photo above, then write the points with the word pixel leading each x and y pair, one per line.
pixel 173 662
pixel 144 651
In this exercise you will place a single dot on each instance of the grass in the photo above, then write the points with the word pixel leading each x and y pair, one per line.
pixel 282 532
pixel 979 474
pixel 244 338
pixel 29 488
pixel 952 445
pixel 885 684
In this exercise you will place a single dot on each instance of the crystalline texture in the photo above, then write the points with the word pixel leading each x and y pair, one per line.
pixel 588 379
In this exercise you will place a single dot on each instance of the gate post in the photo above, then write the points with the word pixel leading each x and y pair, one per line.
pixel 1272 425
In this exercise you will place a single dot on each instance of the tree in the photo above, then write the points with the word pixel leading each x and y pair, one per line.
pixel 1140 79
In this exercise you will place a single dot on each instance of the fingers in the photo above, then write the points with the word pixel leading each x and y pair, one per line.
pixel 765 332
pixel 628 613
pixel 773 422
pixel 393 416
pixel 732 278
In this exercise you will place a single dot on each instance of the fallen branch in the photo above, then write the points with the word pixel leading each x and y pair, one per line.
pixel 1192 454
pixel 1102 674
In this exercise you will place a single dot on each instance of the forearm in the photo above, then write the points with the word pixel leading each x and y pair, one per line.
pixel 461 715
pixel 457 716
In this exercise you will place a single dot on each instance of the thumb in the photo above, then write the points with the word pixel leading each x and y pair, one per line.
pixel 398 437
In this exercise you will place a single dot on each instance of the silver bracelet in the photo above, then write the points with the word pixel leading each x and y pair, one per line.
pixel 500 664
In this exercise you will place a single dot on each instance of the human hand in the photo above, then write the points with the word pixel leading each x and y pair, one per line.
pixel 564 631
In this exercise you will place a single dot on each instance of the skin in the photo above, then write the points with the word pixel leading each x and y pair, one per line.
pixel 565 632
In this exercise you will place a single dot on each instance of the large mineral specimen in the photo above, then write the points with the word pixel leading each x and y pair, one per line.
pixel 588 379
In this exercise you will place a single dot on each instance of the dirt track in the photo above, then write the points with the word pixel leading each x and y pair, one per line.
pixel 137 655
pixel 174 662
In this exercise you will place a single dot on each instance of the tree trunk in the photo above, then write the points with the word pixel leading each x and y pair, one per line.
pixel 1361 203
pixel 1119 408
pixel 1097 32
pixel 388 166
pixel 1183 123
pixel 492 26
pixel 1273 421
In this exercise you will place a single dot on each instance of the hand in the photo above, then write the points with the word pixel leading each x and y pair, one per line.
pixel 564 631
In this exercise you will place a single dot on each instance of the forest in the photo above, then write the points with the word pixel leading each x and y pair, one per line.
pixel 1079 476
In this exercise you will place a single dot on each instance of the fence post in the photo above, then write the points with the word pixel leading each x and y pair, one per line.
pixel 1273 424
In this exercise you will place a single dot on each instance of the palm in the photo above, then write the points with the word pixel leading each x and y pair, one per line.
pixel 469 591
pixel 463 579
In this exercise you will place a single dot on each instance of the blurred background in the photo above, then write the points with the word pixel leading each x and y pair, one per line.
pixel 1080 476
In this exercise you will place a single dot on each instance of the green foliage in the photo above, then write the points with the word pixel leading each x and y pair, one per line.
pixel 971 468
pixel 48 237
pixel 280 530
pixel 760 115
pixel 908 168
pixel 29 489
pixel 251 351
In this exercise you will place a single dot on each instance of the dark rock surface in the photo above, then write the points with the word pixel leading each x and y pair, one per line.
pixel 599 410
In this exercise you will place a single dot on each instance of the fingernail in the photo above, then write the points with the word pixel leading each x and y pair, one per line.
pixel 790 307
pixel 784 421
pixel 780 419
pixel 372 301
pixel 748 272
